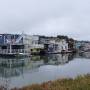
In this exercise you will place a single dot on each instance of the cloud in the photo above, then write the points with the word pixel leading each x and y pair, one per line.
pixel 46 17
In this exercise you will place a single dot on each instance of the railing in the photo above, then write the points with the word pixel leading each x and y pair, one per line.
pixel 14 51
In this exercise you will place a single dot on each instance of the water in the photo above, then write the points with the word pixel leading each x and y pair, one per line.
pixel 37 69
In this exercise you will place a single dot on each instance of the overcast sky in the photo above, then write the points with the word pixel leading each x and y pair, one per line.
pixel 46 17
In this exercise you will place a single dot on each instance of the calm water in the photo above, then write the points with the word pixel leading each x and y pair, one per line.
pixel 38 69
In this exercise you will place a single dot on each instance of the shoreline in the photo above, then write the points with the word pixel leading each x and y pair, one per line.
pixel 79 83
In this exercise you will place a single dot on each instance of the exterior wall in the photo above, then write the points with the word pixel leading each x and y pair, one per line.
pixel 35 39
pixel 44 40
pixel 35 46
pixel 30 42
pixel 38 46
pixel 58 45
pixel 27 39
pixel 35 42
pixel 62 45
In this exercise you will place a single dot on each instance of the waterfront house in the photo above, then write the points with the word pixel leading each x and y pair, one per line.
pixel 79 44
pixel 59 45
pixel 62 45
pixel 54 44
pixel 12 44
pixel 82 46
pixel 35 46
pixel 87 47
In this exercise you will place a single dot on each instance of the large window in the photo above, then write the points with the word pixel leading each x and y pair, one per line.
pixel 4 47
pixel 17 46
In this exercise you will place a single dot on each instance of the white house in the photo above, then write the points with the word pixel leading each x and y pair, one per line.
pixel 58 45
pixel 35 42
pixel 31 42
pixel 35 47
pixel 62 45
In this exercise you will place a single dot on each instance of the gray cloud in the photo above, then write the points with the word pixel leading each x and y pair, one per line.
pixel 46 17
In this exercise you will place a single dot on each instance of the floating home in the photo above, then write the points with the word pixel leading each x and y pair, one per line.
pixel 36 47
pixel 19 45
pixel 14 44
pixel 54 45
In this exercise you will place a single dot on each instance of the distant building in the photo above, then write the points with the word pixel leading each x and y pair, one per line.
pixel 82 45
pixel 54 44
pixel 35 46
pixel 62 45
pixel 87 47
pixel 79 44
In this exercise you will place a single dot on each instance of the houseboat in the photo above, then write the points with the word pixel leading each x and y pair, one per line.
pixel 53 45
pixel 14 45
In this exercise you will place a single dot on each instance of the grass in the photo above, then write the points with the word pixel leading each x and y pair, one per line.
pixel 79 83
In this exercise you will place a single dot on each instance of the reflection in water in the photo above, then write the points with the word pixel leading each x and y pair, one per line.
pixel 12 69
pixel 85 55
pixel 53 59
